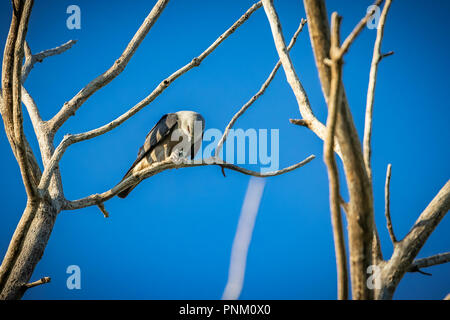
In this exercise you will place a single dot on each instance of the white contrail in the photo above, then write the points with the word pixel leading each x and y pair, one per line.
pixel 242 238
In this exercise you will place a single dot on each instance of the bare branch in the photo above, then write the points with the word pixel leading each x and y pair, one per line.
pixel 18 135
pixel 167 165
pixel 357 30
pixel 429 261
pixel 407 249
pixel 428 220
pixel 330 160
pixel 71 139
pixel 7 71
pixel 387 54
pixel 301 122
pixel 376 58
pixel 361 230
pixel 259 93
pixel 31 59
pixel 37 283
pixel 69 108
pixel 387 210
pixel 32 109
pixel 302 100
pixel 242 239
pixel 102 208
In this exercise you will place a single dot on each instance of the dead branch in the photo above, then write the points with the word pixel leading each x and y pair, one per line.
pixel 360 208
pixel 31 59
pixel 259 93
pixel 429 261
pixel 376 58
pixel 330 161
pixel 168 164
pixel 387 210
pixel 37 283
pixel 408 248
pixel 18 135
pixel 302 100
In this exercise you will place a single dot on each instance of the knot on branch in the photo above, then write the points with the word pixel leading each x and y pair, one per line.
pixel 196 62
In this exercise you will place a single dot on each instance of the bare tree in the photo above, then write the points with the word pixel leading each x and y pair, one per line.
pixel 364 246
pixel 44 190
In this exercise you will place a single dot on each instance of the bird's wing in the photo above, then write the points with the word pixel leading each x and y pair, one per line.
pixel 161 130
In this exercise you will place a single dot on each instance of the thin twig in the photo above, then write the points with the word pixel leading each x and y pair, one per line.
pixel 31 59
pixel 37 283
pixel 387 210
pixel 357 30
pixel 376 58
pixel 300 94
pixel 301 122
pixel 102 208
pixel 259 93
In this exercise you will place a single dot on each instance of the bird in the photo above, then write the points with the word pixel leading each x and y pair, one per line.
pixel 179 134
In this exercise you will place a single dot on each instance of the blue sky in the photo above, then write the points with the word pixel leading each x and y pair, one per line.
pixel 172 237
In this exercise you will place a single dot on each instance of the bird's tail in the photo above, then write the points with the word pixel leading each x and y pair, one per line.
pixel 124 193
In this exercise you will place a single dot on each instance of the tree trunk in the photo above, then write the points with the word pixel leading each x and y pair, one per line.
pixel 26 248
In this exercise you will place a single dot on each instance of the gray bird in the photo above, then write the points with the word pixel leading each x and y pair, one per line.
pixel 180 132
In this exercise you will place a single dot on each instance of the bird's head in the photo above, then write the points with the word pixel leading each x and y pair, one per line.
pixel 192 124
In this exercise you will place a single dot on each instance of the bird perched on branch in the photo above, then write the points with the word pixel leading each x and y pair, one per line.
pixel 180 133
